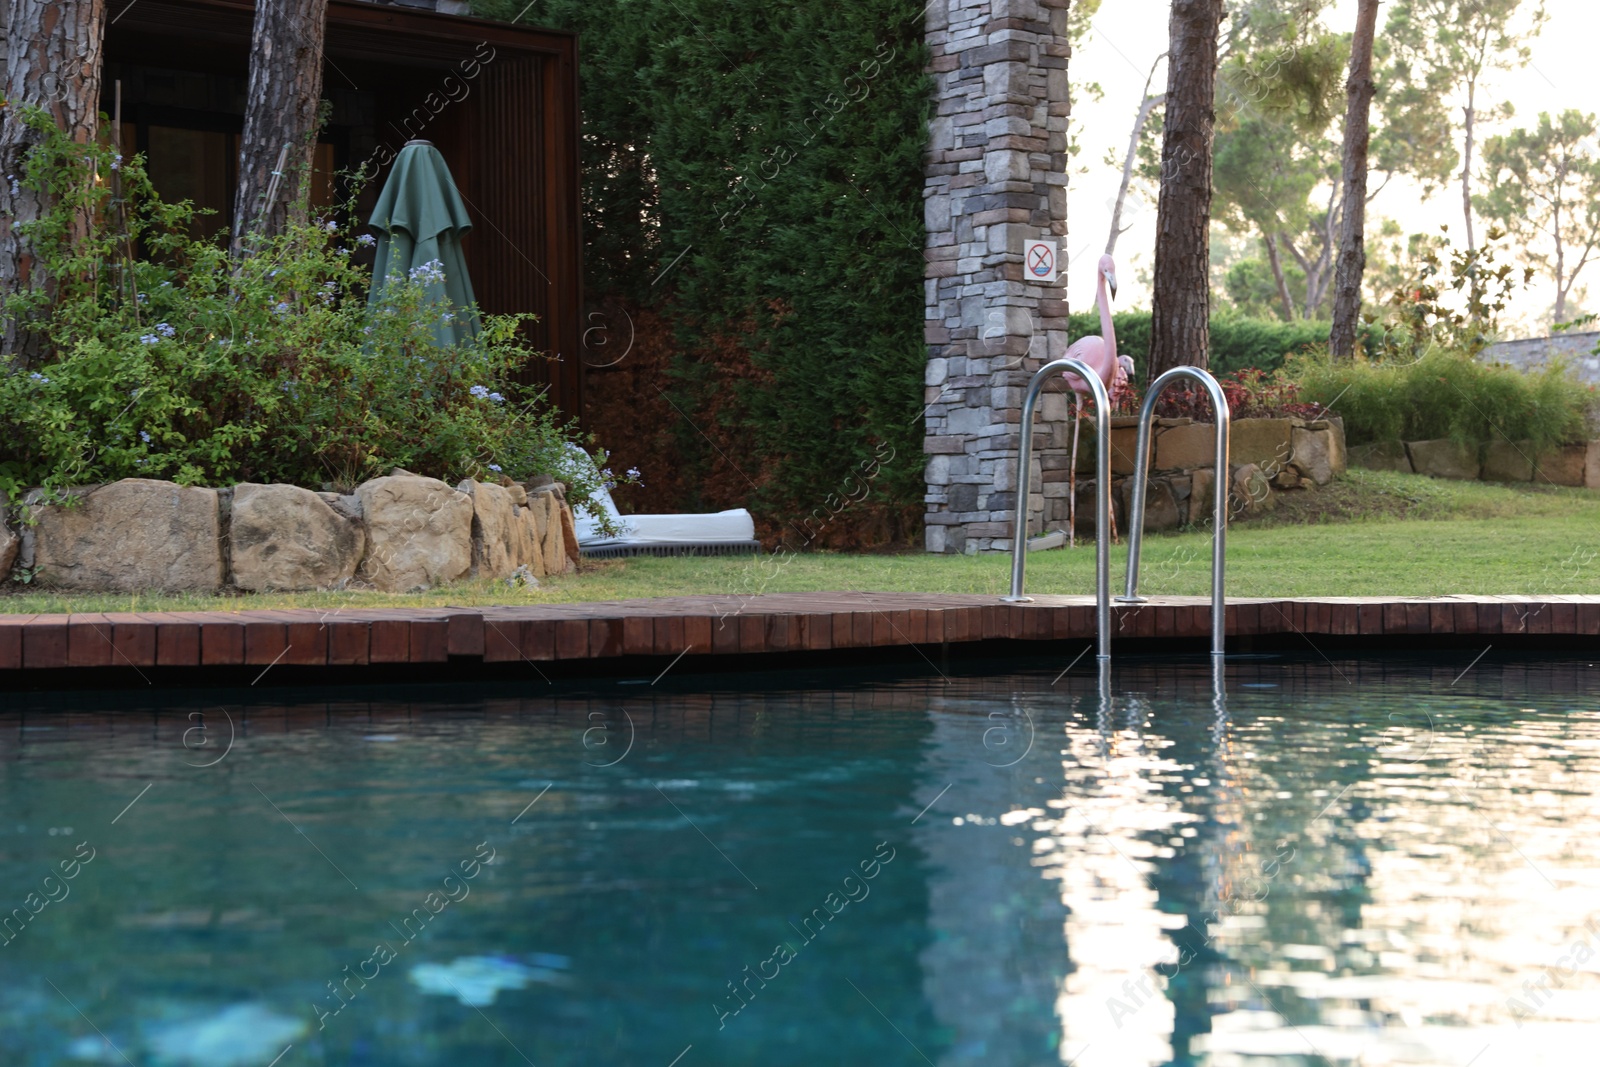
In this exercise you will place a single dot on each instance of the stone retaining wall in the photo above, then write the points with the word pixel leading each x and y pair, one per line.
pixel 398 533
pixel 1577 465
pixel 1266 457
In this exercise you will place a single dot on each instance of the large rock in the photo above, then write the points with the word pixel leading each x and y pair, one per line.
pixel 1203 497
pixel 419 533
pixel 1252 491
pixel 1186 447
pixel 1508 461
pixel 1160 505
pixel 1591 465
pixel 499 537
pixel 1381 456
pixel 1443 458
pixel 1318 452
pixel 1562 466
pixel 552 543
pixel 128 536
pixel 10 545
pixel 284 537
pixel 533 543
pixel 1262 442
pixel 1124 446
pixel 569 540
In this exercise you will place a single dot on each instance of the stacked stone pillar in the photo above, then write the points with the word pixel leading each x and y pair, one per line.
pixel 995 177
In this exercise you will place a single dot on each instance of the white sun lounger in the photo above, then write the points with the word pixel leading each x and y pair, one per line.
pixel 721 533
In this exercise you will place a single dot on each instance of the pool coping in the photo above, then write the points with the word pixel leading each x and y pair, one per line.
pixel 770 625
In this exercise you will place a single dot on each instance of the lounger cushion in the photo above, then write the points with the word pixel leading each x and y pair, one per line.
pixel 734 525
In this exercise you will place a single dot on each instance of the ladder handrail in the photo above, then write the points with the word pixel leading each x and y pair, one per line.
pixel 1102 517
pixel 1141 478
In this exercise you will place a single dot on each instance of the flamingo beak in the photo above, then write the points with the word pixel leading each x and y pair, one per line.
pixel 1111 280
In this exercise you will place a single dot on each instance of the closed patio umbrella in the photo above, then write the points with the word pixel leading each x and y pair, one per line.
pixel 420 221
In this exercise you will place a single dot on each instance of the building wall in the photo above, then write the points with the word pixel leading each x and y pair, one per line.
pixel 995 177
pixel 1531 354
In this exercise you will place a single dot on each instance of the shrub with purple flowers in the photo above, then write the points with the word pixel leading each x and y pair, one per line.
pixel 272 367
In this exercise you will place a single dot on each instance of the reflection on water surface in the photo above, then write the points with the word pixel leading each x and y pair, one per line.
pixel 1373 863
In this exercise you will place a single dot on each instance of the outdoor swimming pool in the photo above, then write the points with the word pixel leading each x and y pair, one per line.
pixel 1376 861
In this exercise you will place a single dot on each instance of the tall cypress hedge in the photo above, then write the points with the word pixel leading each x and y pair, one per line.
pixel 778 150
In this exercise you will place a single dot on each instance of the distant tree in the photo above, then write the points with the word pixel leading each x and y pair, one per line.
pixel 282 107
pixel 1180 297
pixel 1148 103
pixel 1276 167
pixel 1544 188
pixel 1446 46
pixel 52 63
pixel 1359 91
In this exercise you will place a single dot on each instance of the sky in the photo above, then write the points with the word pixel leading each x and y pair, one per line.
pixel 1128 35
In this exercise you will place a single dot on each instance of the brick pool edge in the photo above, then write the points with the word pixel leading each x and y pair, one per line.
pixel 66 651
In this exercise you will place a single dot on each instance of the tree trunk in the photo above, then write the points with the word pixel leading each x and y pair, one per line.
pixel 281 109
pixel 1562 284
pixel 1146 106
pixel 52 62
pixel 1359 90
pixel 1277 276
pixel 1181 301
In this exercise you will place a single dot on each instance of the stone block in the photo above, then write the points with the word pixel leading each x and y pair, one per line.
pixel 129 536
pixel 1381 456
pixel 1443 458
pixel 1561 466
pixel 1186 447
pixel 419 532
pixel 1263 442
pixel 1508 461
pixel 1591 468
pixel 286 538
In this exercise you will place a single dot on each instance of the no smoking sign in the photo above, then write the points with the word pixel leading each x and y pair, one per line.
pixel 1039 262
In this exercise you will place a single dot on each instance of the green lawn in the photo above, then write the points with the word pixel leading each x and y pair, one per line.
pixel 1372 533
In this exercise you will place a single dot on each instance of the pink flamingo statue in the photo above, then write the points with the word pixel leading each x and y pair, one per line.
pixel 1100 354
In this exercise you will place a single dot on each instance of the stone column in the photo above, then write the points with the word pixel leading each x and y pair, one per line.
pixel 995 177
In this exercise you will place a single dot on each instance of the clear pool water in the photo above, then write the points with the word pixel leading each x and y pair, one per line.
pixel 1373 862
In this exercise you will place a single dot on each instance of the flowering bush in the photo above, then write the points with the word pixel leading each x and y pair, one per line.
pixel 168 359
pixel 1251 394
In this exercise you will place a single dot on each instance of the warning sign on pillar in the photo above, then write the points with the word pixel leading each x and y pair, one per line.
pixel 1039 262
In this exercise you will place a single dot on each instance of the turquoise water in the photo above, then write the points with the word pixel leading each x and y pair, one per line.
pixel 1338 862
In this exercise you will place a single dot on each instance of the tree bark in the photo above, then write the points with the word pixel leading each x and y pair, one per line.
pixel 1277 275
pixel 1181 299
pixel 52 62
pixel 1359 90
pixel 281 109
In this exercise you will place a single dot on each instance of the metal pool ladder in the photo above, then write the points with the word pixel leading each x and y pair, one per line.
pixel 1102 485
pixel 1219 520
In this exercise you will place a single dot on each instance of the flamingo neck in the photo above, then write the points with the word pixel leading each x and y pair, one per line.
pixel 1107 330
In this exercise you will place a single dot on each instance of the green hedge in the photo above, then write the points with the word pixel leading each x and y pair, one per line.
pixel 1447 394
pixel 778 150
pixel 1237 343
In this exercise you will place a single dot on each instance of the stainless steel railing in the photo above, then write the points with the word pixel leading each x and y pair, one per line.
pixel 1102 513
pixel 1141 478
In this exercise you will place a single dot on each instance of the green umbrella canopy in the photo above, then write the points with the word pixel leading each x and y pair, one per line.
pixel 420 221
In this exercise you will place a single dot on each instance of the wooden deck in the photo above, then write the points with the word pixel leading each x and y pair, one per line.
pixel 730 625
